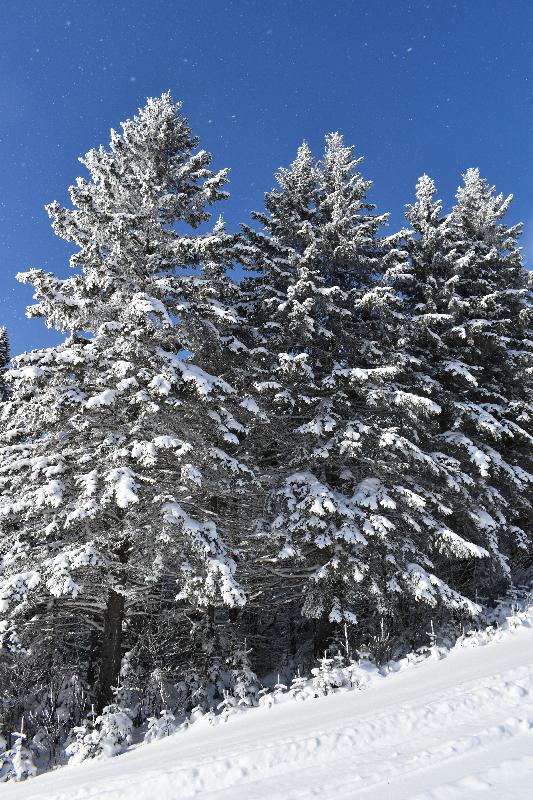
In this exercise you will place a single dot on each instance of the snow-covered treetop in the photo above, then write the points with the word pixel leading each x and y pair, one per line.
pixel 123 217
pixel 478 208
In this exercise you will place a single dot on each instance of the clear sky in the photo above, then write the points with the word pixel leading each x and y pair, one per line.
pixel 418 86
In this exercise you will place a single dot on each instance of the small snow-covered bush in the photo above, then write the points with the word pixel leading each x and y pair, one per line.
pixel 299 688
pixel 159 727
pixel 244 683
pixel 329 675
pixel 17 763
pixel 110 735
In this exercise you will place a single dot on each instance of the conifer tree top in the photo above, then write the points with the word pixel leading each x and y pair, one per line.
pixel 123 217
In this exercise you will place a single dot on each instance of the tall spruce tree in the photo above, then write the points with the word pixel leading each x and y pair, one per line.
pixel 494 308
pixel 4 361
pixel 119 446
pixel 465 292
pixel 354 498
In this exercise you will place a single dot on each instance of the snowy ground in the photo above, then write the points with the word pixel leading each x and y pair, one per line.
pixel 461 727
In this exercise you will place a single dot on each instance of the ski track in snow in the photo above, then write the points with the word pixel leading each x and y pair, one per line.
pixel 458 728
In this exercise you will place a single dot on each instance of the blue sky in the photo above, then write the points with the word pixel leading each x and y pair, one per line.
pixel 419 86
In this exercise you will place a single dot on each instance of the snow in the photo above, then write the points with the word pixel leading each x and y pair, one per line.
pixel 124 486
pixel 160 384
pixel 143 304
pixel 105 398
pixel 477 456
pixel 462 548
pixel 458 368
pixel 410 400
pixel 440 728
pixel 16 587
pixel 250 405
pixel 191 373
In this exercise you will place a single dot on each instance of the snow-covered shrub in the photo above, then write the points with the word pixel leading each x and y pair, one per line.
pixel 228 706
pixel 265 697
pixel 299 687
pixel 329 675
pixel 279 690
pixel 110 735
pixel 244 682
pixel 82 744
pixel 159 727
pixel 115 728
pixel 17 763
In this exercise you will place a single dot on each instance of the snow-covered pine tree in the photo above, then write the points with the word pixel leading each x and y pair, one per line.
pixel 119 446
pixel 4 361
pixel 466 293
pixel 354 499
pixel 494 306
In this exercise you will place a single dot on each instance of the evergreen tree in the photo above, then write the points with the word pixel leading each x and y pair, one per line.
pixel 354 497
pixel 117 441
pixel 4 361
pixel 465 293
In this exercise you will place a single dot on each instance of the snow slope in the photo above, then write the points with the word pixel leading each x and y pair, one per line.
pixel 460 727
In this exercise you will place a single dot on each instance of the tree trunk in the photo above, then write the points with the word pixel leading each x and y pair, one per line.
pixel 111 648
pixel 92 658
pixel 324 631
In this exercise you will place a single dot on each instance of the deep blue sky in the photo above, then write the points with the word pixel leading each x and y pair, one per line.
pixel 421 86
